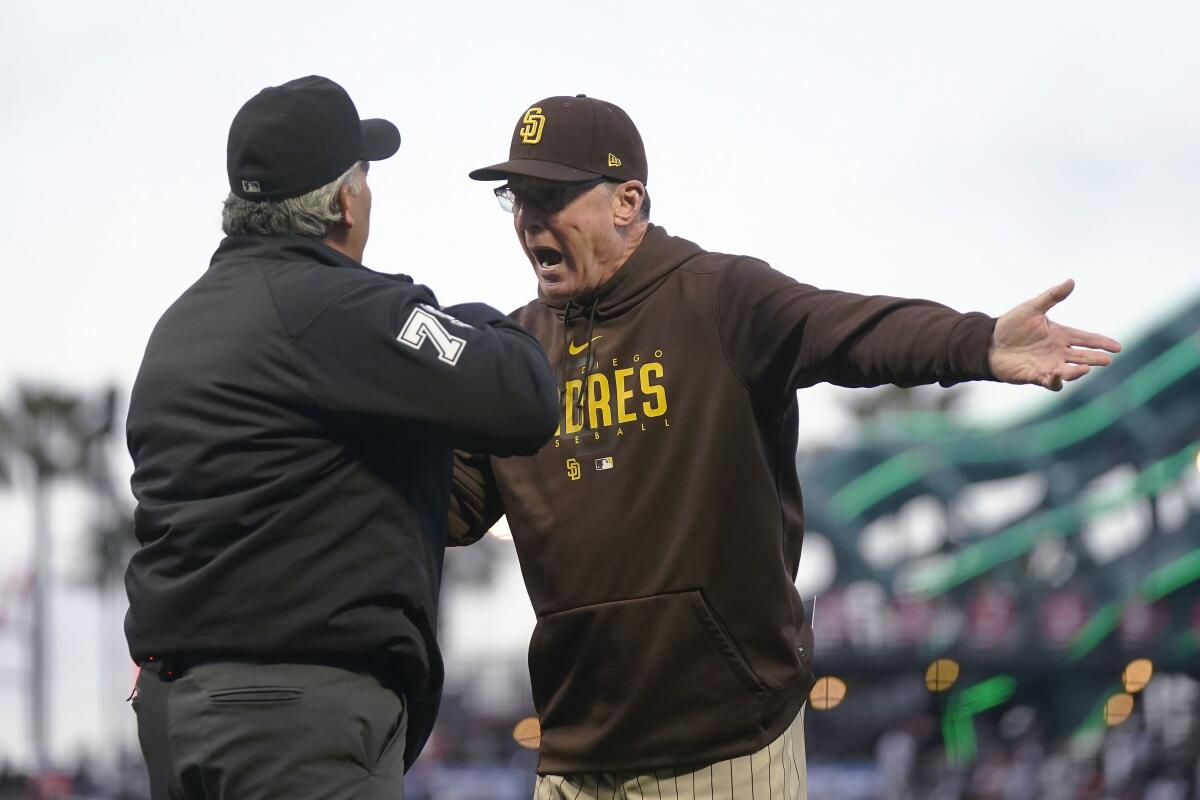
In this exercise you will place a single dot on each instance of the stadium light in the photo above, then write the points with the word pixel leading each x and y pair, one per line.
pixel 827 693
pixel 528 733
pixel 941 675
pixel 1137 674
pixel 1117 709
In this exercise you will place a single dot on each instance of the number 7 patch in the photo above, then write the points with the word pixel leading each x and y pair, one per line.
pixel 423 325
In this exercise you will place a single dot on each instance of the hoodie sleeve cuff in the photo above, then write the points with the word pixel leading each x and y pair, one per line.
pixel 967 349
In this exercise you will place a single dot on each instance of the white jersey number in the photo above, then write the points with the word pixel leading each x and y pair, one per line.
pixel 423 325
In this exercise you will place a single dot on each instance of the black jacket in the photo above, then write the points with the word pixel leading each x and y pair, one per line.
pixel 291 430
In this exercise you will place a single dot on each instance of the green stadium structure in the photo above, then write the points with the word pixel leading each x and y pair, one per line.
pixel 1093 558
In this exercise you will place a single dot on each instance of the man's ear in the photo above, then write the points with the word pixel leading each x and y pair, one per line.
pixel 344 195
pixel 627 202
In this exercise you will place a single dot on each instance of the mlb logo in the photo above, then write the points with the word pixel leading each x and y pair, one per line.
pixel 604 463
pixel 251 186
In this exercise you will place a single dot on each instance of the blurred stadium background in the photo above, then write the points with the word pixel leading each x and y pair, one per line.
pixel 1006 611
pixel 969 152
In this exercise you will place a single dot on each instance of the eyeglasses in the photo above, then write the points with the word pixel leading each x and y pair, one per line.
pixel 547 199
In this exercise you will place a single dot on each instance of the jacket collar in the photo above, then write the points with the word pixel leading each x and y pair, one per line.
pixel 288 247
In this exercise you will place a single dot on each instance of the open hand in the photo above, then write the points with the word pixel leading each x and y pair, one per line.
pixel 1027 347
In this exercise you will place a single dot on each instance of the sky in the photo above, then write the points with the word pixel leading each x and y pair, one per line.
pixel 970 153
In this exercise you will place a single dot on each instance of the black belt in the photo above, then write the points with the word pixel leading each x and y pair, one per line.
pixel 170 668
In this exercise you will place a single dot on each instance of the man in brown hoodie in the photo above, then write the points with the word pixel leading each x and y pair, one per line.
pixel 660 530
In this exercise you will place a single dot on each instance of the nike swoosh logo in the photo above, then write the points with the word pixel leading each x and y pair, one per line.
pixel 575 350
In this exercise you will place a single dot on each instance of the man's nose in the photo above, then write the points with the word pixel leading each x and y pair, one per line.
pixel 528 217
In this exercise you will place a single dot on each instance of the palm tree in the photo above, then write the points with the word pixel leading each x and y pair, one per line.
pixel 54 435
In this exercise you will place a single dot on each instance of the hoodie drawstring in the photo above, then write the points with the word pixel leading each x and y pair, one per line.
pixel 566 344
pixel 589 361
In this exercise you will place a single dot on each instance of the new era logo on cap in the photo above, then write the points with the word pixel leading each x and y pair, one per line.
pixel 251 186
pixel 613 161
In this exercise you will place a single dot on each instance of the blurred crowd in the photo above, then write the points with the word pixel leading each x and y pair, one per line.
pixel 1127 763
pixel 473 759
pixel 123 778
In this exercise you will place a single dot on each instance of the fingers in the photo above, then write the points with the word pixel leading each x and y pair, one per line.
pixel 1071 372
pixel 1055 380
pixel 1090 357
pixel 1078 338
pixel 1053 296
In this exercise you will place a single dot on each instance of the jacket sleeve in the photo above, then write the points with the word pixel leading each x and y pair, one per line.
pixel 466 376
pixel 475 503
pixel 780 335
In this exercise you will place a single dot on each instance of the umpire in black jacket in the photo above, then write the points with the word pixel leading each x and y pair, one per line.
pixel 291 430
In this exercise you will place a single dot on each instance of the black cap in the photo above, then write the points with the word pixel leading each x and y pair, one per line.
pixel 572 139
pixel 291 139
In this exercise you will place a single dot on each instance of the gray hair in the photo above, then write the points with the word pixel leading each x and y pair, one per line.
pixel 311 214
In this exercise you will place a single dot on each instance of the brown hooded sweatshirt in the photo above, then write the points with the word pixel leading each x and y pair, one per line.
pixel 660 530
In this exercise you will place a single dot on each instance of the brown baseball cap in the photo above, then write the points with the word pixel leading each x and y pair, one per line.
pixel 571 139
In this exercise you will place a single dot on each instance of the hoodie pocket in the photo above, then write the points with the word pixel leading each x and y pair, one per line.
pixel 634 676
pixel 731 656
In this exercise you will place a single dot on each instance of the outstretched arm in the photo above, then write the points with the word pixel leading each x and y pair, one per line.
pixel 1027 347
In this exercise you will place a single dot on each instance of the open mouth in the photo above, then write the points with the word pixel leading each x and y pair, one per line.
pixel 546 256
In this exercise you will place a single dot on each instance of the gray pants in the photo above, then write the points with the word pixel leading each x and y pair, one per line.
pixel 776 772
pixel 236 731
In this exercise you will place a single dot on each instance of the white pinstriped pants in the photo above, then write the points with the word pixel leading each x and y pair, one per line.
pixel 776 772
